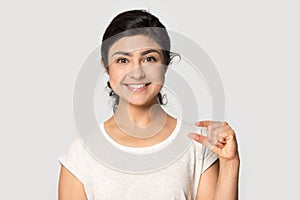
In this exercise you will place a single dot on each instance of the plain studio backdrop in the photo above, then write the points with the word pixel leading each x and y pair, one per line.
pixel 255 48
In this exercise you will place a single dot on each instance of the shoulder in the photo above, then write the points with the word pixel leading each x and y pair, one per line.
pixel 73 158
pixel 70 187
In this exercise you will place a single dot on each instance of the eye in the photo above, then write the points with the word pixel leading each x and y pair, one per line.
pixel 150 59
pixel 122 60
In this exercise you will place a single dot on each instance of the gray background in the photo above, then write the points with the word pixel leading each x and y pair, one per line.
pixel 255 47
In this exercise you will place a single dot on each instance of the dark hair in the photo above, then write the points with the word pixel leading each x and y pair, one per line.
pixel 135 22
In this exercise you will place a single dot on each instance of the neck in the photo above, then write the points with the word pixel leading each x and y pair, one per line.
pixel 141 116
pixel 146 119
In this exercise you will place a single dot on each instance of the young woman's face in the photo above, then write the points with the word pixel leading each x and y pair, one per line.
pixel 136 69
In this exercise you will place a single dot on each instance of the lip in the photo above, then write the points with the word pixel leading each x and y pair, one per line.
pixel 137 89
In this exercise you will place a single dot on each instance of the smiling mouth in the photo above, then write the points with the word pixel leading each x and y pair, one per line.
pixel 136 86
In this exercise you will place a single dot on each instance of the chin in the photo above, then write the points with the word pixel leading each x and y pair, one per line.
pixel 141 102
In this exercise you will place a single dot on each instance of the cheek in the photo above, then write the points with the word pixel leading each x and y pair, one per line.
pixel 115 77
pixel 157 74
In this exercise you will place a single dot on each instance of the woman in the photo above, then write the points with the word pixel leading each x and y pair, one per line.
pixel 136 53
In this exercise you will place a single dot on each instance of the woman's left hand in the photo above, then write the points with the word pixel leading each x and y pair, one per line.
pixel 220 139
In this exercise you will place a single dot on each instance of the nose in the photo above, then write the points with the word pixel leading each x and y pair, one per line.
pixel 137 72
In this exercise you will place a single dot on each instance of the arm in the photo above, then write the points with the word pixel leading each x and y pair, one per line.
pixel 208 182
pixel 69 187
pixel 227 187
pixel 220 181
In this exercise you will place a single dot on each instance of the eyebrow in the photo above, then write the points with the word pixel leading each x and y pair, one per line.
pixel 130 54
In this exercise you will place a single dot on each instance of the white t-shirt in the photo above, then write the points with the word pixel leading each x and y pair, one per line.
pixel 178 180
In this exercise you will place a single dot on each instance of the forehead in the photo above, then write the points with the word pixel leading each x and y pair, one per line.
pixel 133 43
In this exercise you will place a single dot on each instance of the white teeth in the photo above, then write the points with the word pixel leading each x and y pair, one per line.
pixel 136 86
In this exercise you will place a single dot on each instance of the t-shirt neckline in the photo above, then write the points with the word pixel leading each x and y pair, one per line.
pixel 141 150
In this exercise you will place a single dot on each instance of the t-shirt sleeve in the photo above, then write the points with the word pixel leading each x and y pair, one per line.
pixel 204 159
pixel 71 159
pixel 207 158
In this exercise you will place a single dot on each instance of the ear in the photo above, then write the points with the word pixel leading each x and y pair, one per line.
pixel 106 68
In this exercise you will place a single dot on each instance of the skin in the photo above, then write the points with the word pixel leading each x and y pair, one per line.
pixel 128 63
pixel 137 59
pixel 220 181
pixel 69 187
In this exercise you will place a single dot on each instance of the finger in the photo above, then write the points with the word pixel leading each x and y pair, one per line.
pixel 218 130
pixel 227 136
pixel 203 123
pixel 201 139
pixel 197 137
pixel 213 134
pixel 217 133
pixel 219 145
pixel 221 140
pixel 217 124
